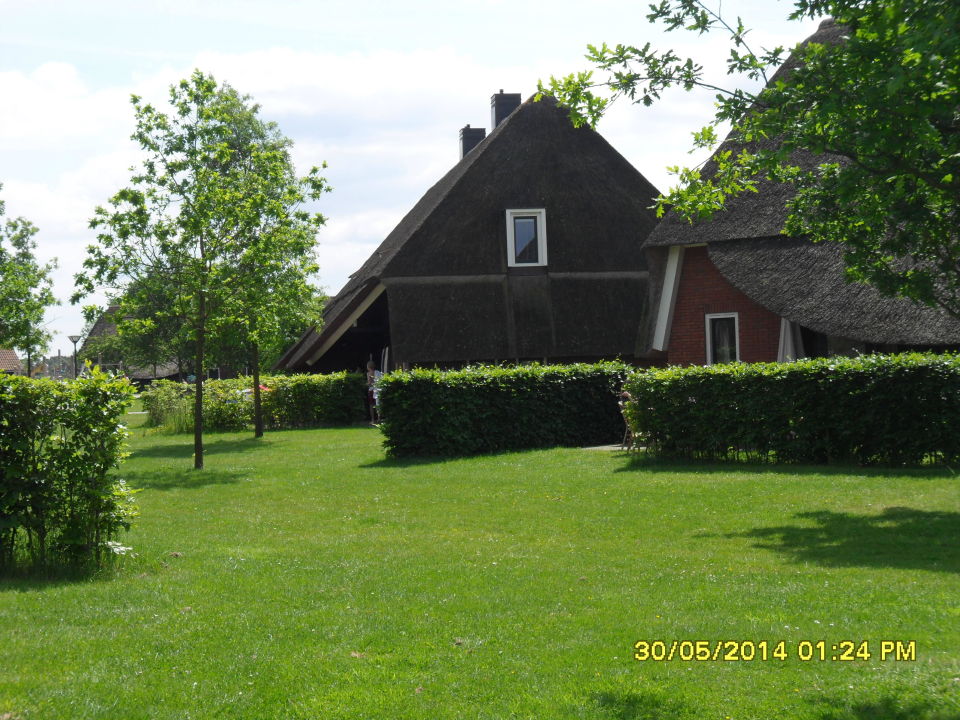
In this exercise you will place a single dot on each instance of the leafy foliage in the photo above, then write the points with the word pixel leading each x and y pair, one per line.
pixel 486 409
pixel 25 287
pixel 289 401
pixel 59 503
pixel 874 409
pixel 879 109
pixel 212 224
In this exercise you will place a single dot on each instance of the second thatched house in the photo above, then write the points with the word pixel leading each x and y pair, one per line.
pixel 530 248
pixel 733 288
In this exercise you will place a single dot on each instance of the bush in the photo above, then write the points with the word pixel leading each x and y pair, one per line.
pixel 59 505
pixel 290 401
pixel 490 409
pixel 168 404
pixel 312 400
pixel 874 409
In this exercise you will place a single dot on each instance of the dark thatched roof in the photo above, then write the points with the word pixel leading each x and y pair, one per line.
pixel 104 326
pixel 804 282
pixel 9 362
pixel 760 214
pixel 793 277
pixel 598 215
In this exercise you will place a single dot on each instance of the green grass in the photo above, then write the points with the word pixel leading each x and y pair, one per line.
pixel 304 576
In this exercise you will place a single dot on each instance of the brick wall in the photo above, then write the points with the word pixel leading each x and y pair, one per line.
pixel 703 290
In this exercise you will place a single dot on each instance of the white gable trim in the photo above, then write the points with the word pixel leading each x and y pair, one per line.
pixel 668 298
pixel 347 323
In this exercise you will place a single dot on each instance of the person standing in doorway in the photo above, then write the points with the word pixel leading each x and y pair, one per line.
pixel 373 392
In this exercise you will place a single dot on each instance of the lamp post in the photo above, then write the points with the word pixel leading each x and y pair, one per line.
pixel 74 339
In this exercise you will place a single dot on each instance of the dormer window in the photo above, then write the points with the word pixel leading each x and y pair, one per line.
pixel 526 237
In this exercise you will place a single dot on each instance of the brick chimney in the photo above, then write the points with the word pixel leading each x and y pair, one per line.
pixel 470 138
pixel 501 105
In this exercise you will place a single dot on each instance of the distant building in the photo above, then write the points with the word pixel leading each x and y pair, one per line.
pixel 106 358
pixel 57 367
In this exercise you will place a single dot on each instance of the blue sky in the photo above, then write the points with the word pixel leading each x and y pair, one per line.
pixel 379 90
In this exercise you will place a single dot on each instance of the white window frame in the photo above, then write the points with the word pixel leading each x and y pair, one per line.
pixel 736 332
pixel 541 216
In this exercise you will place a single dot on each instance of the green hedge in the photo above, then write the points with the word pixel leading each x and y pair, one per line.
pixel 489 409
pixel 874 409
pixel 59 504
pixel 290 401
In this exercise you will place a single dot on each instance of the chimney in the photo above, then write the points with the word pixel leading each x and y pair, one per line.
pixel 470 138
pixel 501 105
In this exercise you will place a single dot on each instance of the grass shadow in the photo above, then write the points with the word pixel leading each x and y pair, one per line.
pixel 642 463
pixel 883 709
pixel 28 579
pixel 417 460
pixel 899 537
pixel 187 478
pixel 210 447
pixel 642 706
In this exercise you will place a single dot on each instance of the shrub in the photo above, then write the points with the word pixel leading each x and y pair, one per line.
pixel 311 400
pixel 59 505
pixel 874 409
pixel 168 404
pixel 290 401
pixel 490 409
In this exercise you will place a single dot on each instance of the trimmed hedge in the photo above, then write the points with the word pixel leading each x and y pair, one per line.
pixel 291 401
pixel 491 409
pixel 59 504
pixel 873 409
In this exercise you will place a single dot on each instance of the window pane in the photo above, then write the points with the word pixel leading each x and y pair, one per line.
pixel 723 339
pixel 525 240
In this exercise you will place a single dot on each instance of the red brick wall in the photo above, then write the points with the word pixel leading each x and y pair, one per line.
pixel 703 290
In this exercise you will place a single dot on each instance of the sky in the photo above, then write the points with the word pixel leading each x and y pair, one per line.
pixel 377 90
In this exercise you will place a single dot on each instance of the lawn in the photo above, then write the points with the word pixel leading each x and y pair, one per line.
pixel 305 576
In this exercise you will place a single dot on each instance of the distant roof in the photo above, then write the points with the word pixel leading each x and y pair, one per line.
pixel 9 362
pixel 103 327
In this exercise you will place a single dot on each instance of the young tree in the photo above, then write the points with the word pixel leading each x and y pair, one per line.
pixel 267 277
pixel 25 288
pixel 193 206
pixel 879 108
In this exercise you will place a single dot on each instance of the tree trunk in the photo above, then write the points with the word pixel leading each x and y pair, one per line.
pixel 198 382
pixel 257 407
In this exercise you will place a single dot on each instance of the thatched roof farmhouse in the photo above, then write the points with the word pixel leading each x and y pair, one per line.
pixel 529 248
pixel 734 288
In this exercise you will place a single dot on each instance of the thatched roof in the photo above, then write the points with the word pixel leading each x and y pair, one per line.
pixel 104 326
pixel 598 215
pixel 793 277
pixel 760 214
pixel 805 283
pixel 9 362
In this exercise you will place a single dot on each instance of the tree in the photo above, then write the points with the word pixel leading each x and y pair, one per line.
pixel 266 277
pixel 151 337
pixel 193 207
pixel 25 288
pixel 880 109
